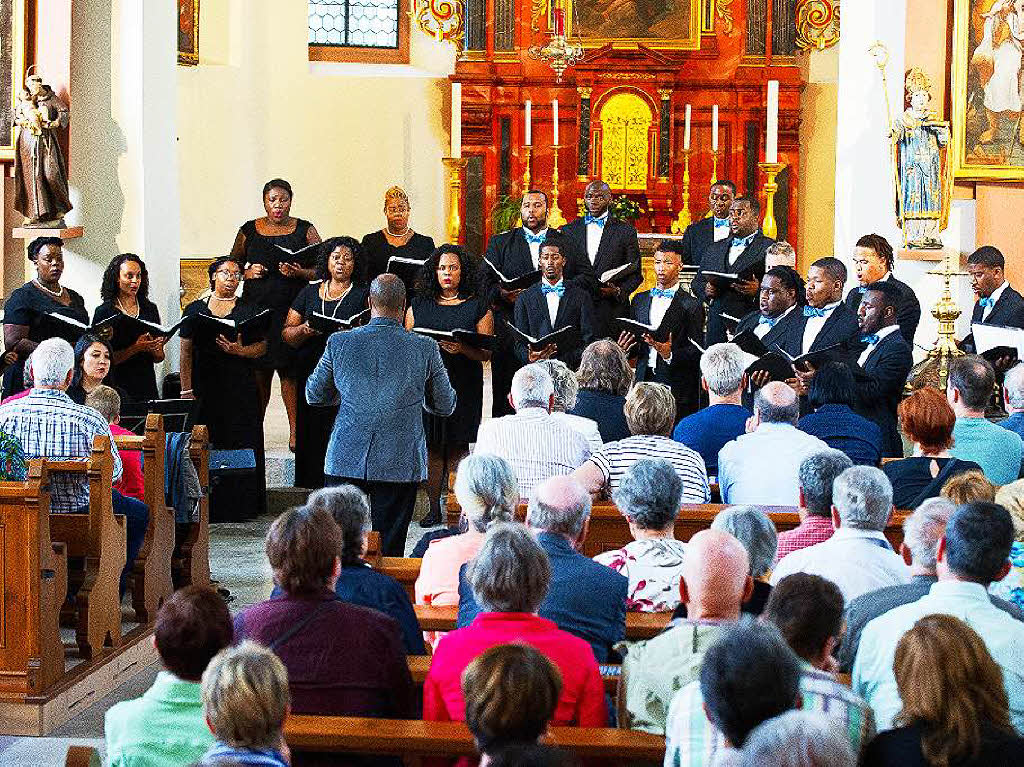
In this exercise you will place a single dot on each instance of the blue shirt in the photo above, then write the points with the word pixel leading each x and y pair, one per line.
pixel 707 431
pixel 995 449
pixel 840 428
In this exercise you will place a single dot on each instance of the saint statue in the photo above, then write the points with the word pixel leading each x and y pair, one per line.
pixel 922 181
pixel 40 175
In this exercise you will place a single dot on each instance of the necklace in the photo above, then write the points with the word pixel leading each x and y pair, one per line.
pixel 327 297
pixel 54 293
pixel 125 311
pixel 398 235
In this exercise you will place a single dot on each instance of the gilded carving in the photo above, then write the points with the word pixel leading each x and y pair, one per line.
pixel 724 12
pixel 540 10
pixel 817 24
pixel 625 141
pixel 441 19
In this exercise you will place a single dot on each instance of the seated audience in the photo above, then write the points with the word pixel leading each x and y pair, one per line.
pixel 566 391
pixel 995 449
pixel 509 579
pixel 650 412
pixel 857 558
pixel 714 584
pixel 1013 400
pixel 832 395
pixel 1011 587
pixel 604 377
pixel 245 702
pixel 756 531
pixel 798 739
pixel 107 402
pixel 971 555
pixel 165 727
pixel 342 659
pixel 583 598
pixel 954 703
pixel 723 377
pixel 762 466
pixel 648 497
pixel 13 466
pixel 93 357
pixel 780 253
pixel 927 421
pixel 969 487
pixel 534 443
pixel 816 474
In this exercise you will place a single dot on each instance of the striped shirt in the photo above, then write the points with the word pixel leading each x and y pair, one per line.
pixel 691 739
pixel 616 458
pixel 49 425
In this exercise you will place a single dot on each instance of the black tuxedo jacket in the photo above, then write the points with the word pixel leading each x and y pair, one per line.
pixel 908 313
pixel 1008 311
pixel 840 326
pixel 716 259
pixel 697 238
pixel 880 385
pixel 685 320
pixel 575 308
pixel 780 332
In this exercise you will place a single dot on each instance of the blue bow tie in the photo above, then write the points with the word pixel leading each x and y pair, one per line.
pixel 871 339
pixel 769 321
pixel 862 289
pixel 742 242
pixel 721 222
pixel 558 290
pixel 599 221
pixel 534 239
pixel 810 311
pixel 986 303
pixel 659 293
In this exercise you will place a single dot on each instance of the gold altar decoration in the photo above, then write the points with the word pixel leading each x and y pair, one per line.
pixel 555 217
pixel 454 166
pixel 684 219
pixel 559 53
pixel 625 141
pixel 528 150
pixel 723 9
pixel 934 369
pixel 441 19
pixel 771 171
pixel 817 24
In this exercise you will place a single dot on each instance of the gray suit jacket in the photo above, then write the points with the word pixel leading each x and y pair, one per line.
pixel 381 377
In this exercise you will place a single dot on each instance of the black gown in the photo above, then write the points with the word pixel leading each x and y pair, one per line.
pixel 313 424
pixel 466 375
pixel 25 307
pixel 377 250
pixel 274 291
pixel 136 376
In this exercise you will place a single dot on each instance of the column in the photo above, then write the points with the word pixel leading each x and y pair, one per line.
pixel 583 159
pixel 665 134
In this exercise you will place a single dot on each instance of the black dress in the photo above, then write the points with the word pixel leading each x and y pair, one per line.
pixel 901 747
pixel 466 375
pixel 912 481
pixel 313 424
pixel 136 375
pixel 274 291
pixel 377 250
pixel 25 307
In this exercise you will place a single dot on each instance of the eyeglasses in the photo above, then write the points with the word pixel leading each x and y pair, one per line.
pixel 229 275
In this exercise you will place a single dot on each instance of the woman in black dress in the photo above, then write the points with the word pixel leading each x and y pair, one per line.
pixel 273 277
pixel 395 239
pixel 447 300
pixel 341 293
pixel 23 312
pixel 221 374
pixel 125 290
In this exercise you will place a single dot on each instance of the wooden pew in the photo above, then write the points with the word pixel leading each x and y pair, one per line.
pixel 638 625
pixel 33 583
pixel 345 734
pixel 82 756
pixel 100 538
pixel 191 564
pixel 419 666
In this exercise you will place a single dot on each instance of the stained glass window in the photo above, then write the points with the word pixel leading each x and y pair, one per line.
pixel 354 23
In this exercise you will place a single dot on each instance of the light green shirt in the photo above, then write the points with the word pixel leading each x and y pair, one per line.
pixel 163 728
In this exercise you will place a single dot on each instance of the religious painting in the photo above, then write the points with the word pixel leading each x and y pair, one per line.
pixel 988 90
pixel 12 53
pixel 654 23
pixel 188 32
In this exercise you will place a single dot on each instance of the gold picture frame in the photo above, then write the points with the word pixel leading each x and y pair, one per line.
pixel 188 33
pixel 688 42
pixel 13 53
pixel 977 154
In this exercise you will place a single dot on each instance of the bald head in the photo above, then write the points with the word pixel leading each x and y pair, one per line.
pixel 777 403
pixel 716 577
pixel 387 297
pixel 597 197
pixel 560 505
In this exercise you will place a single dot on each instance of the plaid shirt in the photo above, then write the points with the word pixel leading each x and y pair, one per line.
pixel 49 425
pixel 813 530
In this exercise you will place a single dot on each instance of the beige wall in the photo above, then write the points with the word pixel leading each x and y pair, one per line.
pixel 818 112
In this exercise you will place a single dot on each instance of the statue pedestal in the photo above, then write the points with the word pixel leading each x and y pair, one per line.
pixel 30 233
pixel 934 254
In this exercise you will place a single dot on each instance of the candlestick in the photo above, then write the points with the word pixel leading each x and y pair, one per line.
pixel 526 172
pixel 529 123
pixel 771 150
pixel 555 217
pixel 454 166
pixel 684 218
pixel 771 170
pixel 686 132
pixel 714 168
pixel 554 107
pixel 714 129
pixel 456 120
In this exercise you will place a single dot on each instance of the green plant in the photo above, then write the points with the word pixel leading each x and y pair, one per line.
pixel 505 213
pixel 625 208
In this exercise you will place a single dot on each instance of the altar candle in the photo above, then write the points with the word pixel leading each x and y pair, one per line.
pixel 771 149
pixel 456 120
pixel 529 123
pixel 554 107
pixel 686 133
pixel 714 128
pixel 559 22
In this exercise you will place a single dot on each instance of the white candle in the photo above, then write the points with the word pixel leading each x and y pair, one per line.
pixel 686 133
pixel 714 128
pixel 771 147
pixel 456 120
pixel 529 123
pixel 554 107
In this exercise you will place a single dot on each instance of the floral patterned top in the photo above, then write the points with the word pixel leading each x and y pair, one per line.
pixel 654 567
pixel 1011 588
pixel 13 466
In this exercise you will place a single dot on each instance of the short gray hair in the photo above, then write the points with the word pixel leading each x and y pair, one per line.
pixel 568 516
pixel 923 529
pixel 532 387
pixel 1014 385
pixel 605 368
pixel 486 489
pixel 776 402
pixel 650 408
pixel 816 474
pixel 650 494
pixel 567 388
pixel 863 497
pixel 797 739
pixel 511 572
pixel 106 401
pixel 782 250
pixel 722 367
pixel 755 530
pixel 350 508
pixel 52 360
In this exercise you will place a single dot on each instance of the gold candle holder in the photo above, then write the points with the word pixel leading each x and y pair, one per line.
pixel 454 166
pixel 771 171
pixel 528 150
pixel 555 217
pixel 684 219
pixel 714 168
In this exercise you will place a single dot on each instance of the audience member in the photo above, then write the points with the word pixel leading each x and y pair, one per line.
pixel 1011 587
pixel 780 253
pixel 762 465
pixel 833 394
pixel 13 466
pixel 756 531
pixel 971 555
pixel 509 579
pixel 583 598
pixel 955 708
pixel 797 739
pixel 857 557
pixel 714 585
pixel 245 702
pixel 968 487
pixel 1013 400
pixel 650 412
pixel 530 756
pixel 995 449
pixel 535 445
pixel 648 497
pixel 604 377
pixel 723 377
pixel 165 727
pixel 816 474
pixel 567 389
pixel 107 402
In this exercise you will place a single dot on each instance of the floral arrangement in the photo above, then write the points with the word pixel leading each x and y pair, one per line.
pixel 626 209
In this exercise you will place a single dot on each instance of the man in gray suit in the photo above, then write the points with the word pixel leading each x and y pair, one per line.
pixel 381 377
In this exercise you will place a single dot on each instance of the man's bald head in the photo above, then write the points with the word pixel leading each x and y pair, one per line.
pixel 716 575
pixel 560 505
pixel 777 403
pixel 597 197
pixel 387 297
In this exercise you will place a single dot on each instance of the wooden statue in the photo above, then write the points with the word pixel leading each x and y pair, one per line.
pixel 41 177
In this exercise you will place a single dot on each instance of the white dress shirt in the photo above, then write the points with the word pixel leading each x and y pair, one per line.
pixel 761 329
pixel 871 347
pixel 594 234
pixel 996 295
pixel 736 249
pixel 552 299
pixel 721 229
pixel 585 427
pixel 535 246
pixel 659 306
pixel 762 467
pixel 814 325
